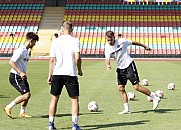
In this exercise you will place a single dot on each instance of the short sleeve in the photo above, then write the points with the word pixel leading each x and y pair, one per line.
pixel 16 55
pixel 77 46
pixel 126 42
pixel 107 52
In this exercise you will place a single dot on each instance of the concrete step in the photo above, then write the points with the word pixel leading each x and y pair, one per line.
pixel 53 15
pixel 47 19
pixel 51 22
pixel 48 25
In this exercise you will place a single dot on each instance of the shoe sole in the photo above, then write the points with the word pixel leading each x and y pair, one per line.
pixel 7 114
pixel 25 116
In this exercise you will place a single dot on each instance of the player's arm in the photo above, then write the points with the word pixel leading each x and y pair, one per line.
pixel 51 65
pixel 140 44
pixel 108 63
pixel 14 66
pixel 107 59
pixel 78 61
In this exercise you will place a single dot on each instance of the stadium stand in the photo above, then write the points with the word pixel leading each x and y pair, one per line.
pixel 18 18
pixel 156 24
pixel 50 23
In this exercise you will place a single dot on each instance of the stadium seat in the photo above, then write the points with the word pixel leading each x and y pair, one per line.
pixel 17 18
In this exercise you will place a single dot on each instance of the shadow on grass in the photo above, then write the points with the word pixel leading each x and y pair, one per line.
pixel 62 115
pixel 2 96
pixel 112 125
pixel 157 111
pixel 134 100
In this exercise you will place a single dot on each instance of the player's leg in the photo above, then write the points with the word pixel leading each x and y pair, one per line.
pixel 56 89
pixel 75 106
pixel 72 87
pixel 75 113
pixel 134 79
pixel 23 99
pixel 23 108
pixel 21 86
pixel 53 105
pixel 122 80
pixel 122 92
pixel 52 111
pixel 124 97
pixel 147 92
pixel 142 89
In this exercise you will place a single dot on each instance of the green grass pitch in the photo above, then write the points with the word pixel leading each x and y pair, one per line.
pixel 99 85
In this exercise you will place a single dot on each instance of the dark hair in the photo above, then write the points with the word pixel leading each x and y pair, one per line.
pixel 119 35
pixel 32 35
pixel 109 34
pixel 56 35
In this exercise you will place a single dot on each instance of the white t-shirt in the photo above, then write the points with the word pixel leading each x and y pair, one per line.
pixel 120 52
pixel 63 48
pixel 20 57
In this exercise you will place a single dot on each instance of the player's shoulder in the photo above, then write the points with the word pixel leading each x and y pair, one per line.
pixel 75 38
pixel 124 40
pixel 68 37
pixel 107 45
pixel 21 48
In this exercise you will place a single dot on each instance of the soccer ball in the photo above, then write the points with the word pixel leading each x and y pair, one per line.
pixel 159 93
pixel 149 99
pixel 93 106
pixel 171 86
pixel 145 82
pixel 131 95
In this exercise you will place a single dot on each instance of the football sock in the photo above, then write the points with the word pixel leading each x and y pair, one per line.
pixel 75 120
pixel 12 104
pixel 152 95
pixel 22 110
pixel 126 106
pixel 51 119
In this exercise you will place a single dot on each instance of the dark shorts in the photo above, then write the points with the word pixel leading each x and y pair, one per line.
pixel 21 85
pixel 129 73
pixel 70 82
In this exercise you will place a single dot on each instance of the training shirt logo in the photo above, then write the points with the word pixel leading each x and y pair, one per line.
pixel 25 59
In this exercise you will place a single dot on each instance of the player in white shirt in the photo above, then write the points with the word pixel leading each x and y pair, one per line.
pixel 64 57
pixel 18 77
pixel 126 68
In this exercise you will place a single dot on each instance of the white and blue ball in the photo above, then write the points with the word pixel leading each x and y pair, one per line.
pixel 159 93
pixel 131 95
pixel 171 86
pixel 145 82
pixel 93 106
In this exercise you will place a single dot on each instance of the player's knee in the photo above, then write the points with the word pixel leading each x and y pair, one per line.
pixel 27 96
pixel 136 87
pixel 121 88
